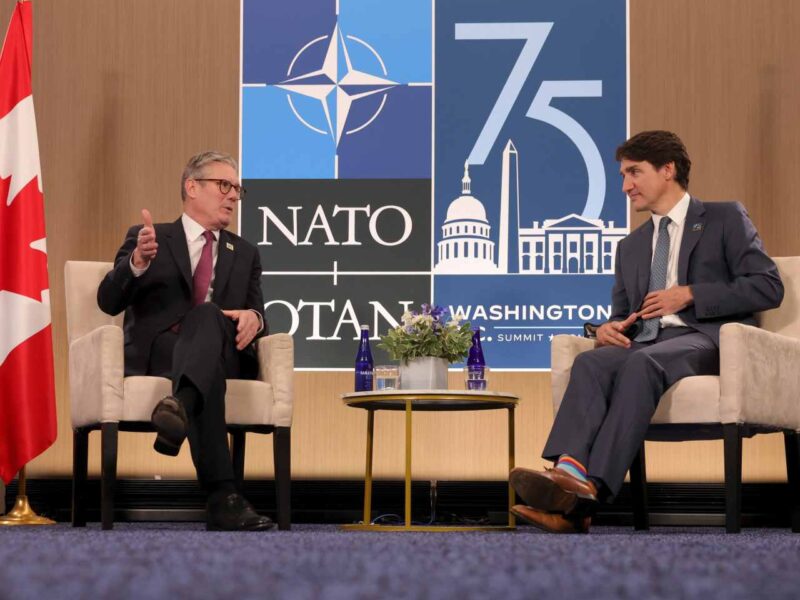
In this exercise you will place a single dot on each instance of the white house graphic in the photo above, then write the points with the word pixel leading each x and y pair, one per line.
pixel 571 244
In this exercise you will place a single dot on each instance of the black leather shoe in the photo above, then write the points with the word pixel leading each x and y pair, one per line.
pixel 170 420
pixel 231 512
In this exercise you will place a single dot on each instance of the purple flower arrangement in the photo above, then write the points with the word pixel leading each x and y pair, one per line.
pixel 432 331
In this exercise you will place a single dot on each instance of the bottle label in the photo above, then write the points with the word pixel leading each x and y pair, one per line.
pixel 476 377
pixel 476 371
pixel 363 380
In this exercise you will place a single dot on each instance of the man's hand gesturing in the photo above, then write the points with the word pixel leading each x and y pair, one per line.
pixel 146 245
pixel 610 334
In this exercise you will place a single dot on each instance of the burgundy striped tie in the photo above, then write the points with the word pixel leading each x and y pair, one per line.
pixel 202 272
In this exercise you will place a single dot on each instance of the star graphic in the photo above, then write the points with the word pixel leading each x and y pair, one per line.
pixel 336 94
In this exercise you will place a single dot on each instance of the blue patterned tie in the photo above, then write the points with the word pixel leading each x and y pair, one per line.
pixel 658 278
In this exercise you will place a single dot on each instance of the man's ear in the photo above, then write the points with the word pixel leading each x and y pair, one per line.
pixel 668 171
pixel 189 187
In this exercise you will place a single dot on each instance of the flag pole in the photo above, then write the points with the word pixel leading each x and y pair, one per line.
pixel 22 513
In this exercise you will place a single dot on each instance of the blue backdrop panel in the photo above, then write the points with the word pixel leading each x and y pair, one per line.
pixel 454 150
pixel 530 106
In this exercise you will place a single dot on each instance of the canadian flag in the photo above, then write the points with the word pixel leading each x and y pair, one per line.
pixel 27 394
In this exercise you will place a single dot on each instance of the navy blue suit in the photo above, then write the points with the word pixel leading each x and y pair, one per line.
pixel 613 392
pixel 165 335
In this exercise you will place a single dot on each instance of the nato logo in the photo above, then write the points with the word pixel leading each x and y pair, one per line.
pixel 336 90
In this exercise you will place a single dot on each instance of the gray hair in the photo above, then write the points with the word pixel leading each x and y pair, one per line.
pixel 194 168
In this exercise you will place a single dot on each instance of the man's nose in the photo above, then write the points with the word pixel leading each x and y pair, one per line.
pixel 627 186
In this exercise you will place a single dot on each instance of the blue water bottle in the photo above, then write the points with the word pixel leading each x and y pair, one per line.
pixel 364 363
pixel 476 364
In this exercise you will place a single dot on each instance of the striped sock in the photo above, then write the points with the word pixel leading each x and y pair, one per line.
pixel 572 466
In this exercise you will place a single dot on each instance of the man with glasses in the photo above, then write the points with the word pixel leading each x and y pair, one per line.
pixel 191 292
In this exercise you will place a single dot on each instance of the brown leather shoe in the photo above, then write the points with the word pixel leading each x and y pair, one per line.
pixel 550 522
pixel 554 491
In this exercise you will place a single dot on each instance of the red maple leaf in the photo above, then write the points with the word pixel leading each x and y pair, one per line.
pixel 23 270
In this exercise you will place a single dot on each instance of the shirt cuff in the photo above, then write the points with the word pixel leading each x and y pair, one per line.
pixel 137 272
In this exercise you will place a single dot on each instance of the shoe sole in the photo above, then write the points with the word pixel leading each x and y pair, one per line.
pixel 171 433
pixel 543 494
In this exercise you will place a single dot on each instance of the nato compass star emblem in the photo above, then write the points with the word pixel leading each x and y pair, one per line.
pixel 337 85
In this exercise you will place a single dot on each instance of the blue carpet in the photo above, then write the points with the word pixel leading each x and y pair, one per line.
pixel 164 560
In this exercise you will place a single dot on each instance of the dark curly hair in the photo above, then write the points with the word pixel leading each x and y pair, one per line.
pixel 658 148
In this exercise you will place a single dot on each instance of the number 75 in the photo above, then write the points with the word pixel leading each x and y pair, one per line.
pixel 535 35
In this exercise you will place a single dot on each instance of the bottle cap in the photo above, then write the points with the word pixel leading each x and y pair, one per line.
pixel 365 328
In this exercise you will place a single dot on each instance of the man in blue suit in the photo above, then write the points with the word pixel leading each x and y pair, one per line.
pixel 688 270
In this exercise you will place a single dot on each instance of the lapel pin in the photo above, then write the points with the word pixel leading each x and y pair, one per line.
pixel 229 246
pixel 697 227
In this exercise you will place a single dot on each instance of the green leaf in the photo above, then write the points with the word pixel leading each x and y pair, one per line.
pixel 425 339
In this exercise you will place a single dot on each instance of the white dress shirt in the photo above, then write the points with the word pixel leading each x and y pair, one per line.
pixel 195 241
pixel 675 229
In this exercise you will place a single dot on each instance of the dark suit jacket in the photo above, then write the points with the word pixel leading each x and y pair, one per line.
pixel 163 294
pixel 721 258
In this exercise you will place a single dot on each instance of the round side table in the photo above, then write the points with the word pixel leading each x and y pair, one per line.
pixel 427 400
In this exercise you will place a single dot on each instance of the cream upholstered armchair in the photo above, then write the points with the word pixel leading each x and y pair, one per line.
pixel 103 398
pixel 756 392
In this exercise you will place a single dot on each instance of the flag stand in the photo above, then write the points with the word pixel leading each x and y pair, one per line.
pixel 22 513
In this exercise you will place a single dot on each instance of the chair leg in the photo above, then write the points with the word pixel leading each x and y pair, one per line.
pixel 791 442
pixel 80 465
pixel 732 435
pixel 237 453
pixel 638 472
pixel 282 453
pixel 108 474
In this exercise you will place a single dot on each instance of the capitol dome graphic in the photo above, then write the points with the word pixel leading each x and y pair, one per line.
pixel 466 244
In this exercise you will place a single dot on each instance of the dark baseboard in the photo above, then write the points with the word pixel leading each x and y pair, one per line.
pixel 337 501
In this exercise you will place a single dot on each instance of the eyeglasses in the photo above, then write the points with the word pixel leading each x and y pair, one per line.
pixel 225 186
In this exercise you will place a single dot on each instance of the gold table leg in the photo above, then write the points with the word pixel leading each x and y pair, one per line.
pixel 512 521
pixel 368 476
pixel 408 463
pixel 408 526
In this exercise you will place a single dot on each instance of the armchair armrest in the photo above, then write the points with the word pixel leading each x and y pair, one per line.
pixel 96 371
pixel 759 377
pixel 276 366
pixel 563 350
